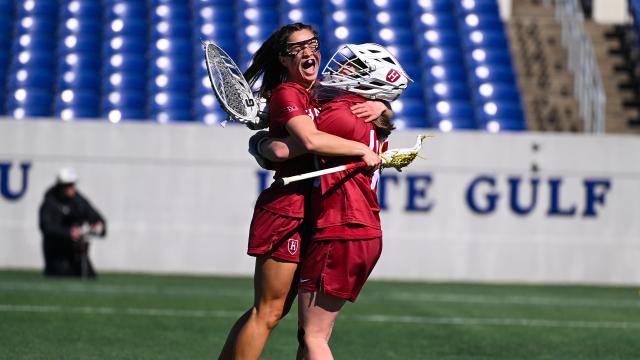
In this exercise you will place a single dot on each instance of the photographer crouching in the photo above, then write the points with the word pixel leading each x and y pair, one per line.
pixel 67 220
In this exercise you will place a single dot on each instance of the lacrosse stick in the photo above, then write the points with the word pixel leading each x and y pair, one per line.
pixel 395 158
pixel 230 87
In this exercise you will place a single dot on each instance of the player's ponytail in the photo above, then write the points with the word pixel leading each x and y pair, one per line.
pixel 266 62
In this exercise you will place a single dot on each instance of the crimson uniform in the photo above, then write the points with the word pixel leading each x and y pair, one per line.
pixel 347 239
pixel 276 226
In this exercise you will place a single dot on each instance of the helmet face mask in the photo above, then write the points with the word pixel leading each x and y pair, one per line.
pixel 368 70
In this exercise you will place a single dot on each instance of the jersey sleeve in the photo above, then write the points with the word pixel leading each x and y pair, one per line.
pixel 287 103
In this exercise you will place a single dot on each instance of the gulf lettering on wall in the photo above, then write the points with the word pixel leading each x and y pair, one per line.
pixel 14 179
pixel 485 194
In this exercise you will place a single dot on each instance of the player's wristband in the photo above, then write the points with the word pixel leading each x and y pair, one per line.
pixel 259 145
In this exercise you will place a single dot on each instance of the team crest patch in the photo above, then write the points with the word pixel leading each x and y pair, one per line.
pixel 292 246
pixel 393 76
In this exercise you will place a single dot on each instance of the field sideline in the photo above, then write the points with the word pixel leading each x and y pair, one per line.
pixel 130 316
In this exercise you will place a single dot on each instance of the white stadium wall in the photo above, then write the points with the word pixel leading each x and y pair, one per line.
pixel 178 198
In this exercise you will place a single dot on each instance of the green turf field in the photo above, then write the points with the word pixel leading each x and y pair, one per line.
pixel 121 316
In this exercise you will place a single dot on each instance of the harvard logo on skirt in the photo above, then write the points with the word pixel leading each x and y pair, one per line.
pixel 292 245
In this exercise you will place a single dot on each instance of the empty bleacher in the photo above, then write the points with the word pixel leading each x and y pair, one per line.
pixel 142 59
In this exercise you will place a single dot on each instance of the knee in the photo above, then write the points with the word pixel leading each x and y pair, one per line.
pixel 270 315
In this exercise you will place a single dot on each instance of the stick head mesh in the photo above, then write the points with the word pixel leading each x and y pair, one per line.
pixel 229 85
pixel 400 158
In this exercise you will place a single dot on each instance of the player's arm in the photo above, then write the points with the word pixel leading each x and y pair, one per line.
pixel 305 138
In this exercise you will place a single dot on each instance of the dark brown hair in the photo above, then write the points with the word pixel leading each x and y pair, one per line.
pixel 266 61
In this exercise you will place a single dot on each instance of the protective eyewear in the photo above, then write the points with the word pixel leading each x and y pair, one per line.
pixel 293 49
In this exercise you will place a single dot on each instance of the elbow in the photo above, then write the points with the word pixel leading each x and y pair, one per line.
pixel 279 153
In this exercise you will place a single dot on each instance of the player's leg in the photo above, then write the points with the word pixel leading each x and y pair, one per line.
pixel 275 289
pixel 318 313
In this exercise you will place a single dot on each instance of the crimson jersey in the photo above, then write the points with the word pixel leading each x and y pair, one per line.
pixel 345 205
pixel 288 100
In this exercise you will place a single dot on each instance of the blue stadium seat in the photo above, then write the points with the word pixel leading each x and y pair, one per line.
pixel 497 92
pixel 124 44
pixel 444 38
pixel 485 40
pixel 430 21
pixel 407 107
pixel 488 73
pixel 495 125
pixel 333 5
pixel 442 55
pixel 511 111
pixel 307 16
pixel 82 9
pixel 450 110
pixel 346 18
pixel 448 73
pixel 433 6
pixel 347 35
pixel 176 47
pixel 414 90
pixel 79 80
pixel 29 102
pixel 476 7
pixel 126 10
pixel 171 82
pixel 406 54
pixel 171 29
pixel 264 16
pixel 35 25
pixel 490 22
pixel 394 36
pixel 478 57
pixel 174 12
pixel 410 122
pixel 390 19
pixel 79 104
pixel 31 77
pixel 451 124
pixel 47 9
pixel 390 5
pixel 447 91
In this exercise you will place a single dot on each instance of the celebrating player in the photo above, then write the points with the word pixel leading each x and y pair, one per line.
pixel 288 63
pixel 347 237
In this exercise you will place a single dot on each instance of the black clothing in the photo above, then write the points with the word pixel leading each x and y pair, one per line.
pixel 58 213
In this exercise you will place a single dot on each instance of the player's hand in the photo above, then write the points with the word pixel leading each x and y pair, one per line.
pixel 75 233
pixel 368 110
pixel 372 159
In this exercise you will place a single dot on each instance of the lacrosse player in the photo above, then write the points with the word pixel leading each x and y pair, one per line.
pixel 288 62
pixel 346 240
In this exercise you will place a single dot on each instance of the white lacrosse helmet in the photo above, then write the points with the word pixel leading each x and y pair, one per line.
pixel 369 70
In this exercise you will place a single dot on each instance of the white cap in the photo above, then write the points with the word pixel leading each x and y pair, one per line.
pixel 67 175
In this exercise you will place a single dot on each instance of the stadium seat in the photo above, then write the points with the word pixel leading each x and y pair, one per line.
pixel 388 19
pixel 511 111
pixel 488 22
pixel 488 73
pixel 451 110
pixel 439 38
pixel 29 102
pixel 345 18
pixel 485 40
pixel 466 7
pixel 497 92
pixel 452 124
pixel 430 21
pixel 389 5
pixel 478 57
pixel 442 55
pixel 394 36
pixel 448 73
pixel 447 91
pixel 407 107
pixel 433 6
pixel 31 77
pixel 333 5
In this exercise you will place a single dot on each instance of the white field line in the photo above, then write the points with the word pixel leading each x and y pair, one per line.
pixel 396 296
pixel 420 320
